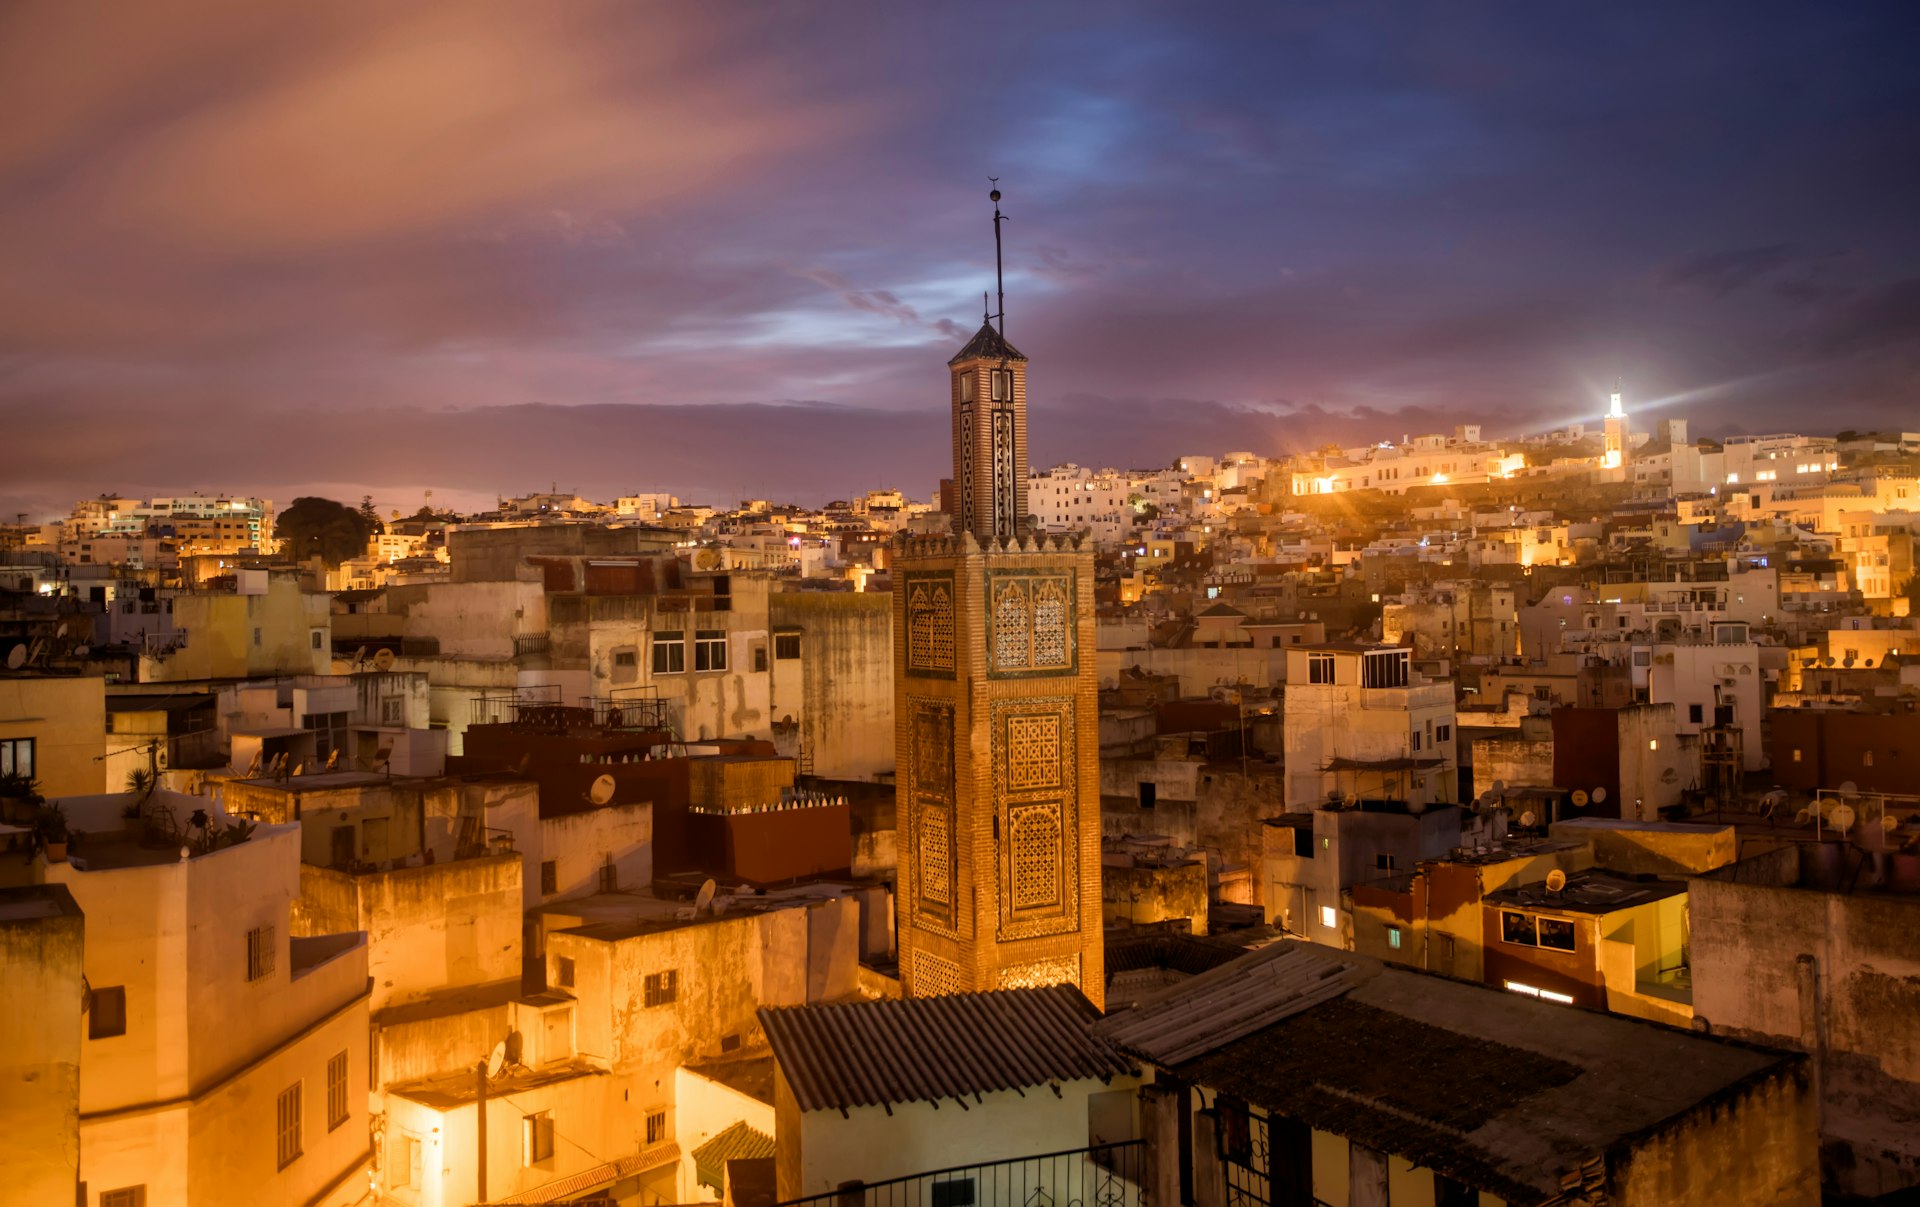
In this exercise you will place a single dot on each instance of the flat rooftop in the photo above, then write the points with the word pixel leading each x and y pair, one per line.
pixel 1590 892
pixel 752 1075
pixel 447 1091
pixel 1497 1090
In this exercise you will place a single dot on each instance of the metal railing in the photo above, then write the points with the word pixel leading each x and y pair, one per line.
pixel 1246 1154
pixel 1103 1175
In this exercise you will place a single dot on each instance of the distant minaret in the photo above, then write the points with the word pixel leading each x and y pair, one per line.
pixel 1616 438
pixel 996 715
pixel 990 422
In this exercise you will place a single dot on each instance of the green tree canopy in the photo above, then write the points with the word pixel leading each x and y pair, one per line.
pixel 322 528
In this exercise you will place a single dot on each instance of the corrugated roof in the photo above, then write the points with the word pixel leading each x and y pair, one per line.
pixel 987 344
pixel 925 1049
pixel 1231 1001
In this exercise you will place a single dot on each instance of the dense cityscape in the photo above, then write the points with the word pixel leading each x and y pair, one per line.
pixel 1459 814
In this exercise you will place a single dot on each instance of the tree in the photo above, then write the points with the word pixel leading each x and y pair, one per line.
pixel 322 528
pixel 371 515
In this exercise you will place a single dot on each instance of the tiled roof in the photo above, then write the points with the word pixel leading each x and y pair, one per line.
pixel 737 1143
pixel 925 1049
pixel 987 344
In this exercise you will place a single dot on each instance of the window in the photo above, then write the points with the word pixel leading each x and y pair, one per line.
pixel 1383 863
pixel 710 650
pixel 1694 713
pixel 536 1133
pixel 549 877
pixel 1393 937
pixel 626 659
pixel 1518 929
pixel 786 646
pixel 1385 669
pixel 406 1165
pixel 1319 668
pixel 259 952
pixel 966 387
pixel 129 1196
pixel 759 659
pixel 1796 754
pixel 730 1043
pixel 609 878
pixel 656 1126
pixel 289 1131
pixel 955 1192
pixel 1416 741
pixel 669 652
pixel 16 757
pixel 1002 382
pixel 662 987
pixel 107 1013
pixel 563 971
pixel 1556 933
pixel 314 636
pixel 1443 733
pixel 336 1091
pixel 1329 917
pixel 1149 793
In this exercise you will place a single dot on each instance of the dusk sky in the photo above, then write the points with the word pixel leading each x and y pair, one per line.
pixel 725 250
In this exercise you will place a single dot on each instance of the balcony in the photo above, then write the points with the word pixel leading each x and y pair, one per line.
pixel 1104 1175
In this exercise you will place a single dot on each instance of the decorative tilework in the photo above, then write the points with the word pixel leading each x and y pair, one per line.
pixel 932 747
pixel 1035 843
pixel 933 976
pixel 935 857
pixel 1032 618
pixel 930 624
pixel 1012 628
pixel 1063 970
pixel 966 469
pixel 1033 752
pixel 1005 522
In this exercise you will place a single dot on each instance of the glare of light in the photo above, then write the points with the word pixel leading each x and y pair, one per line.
pixel 1547 994
pixel 1614 409
pixel 1439 479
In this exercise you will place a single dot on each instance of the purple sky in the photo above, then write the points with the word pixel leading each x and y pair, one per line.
pixel 726 249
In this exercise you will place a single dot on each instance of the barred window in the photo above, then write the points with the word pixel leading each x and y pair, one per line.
pixel 662 988
pixel 336 1091
pixel 259 952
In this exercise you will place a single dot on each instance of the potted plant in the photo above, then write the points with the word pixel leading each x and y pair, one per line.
pixel 50 827
pixel 140 785
pixel 20 799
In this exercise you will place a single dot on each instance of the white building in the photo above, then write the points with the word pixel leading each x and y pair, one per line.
pixel 224 1061
pixel 1072 498
pixel 1361 722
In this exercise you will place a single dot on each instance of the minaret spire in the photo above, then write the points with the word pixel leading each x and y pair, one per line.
pixel 999 274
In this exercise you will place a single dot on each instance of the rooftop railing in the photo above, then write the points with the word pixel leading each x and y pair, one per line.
pixel 1102 1175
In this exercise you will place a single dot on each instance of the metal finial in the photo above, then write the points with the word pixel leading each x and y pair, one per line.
pixel 999 272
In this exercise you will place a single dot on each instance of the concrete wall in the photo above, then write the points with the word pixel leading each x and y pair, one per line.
pixel 1755 1145
pixel 580 844
pixel 67 720
pixel 840 694
pixel 1142 895
pixel 42 935
pixel 1828 973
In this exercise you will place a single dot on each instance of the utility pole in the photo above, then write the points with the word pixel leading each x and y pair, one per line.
pixel 480 1128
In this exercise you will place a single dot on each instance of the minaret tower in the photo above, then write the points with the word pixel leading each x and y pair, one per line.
pixel 1616 437
pixel 996 717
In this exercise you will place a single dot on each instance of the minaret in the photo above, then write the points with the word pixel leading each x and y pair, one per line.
pixel 996 718
pixel 1616 437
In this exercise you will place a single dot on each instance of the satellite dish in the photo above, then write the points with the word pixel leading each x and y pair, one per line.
pixel 602 791
pixel 1889 823
pixel 497 1060
pixel 359 655
pixel 82 650
pixel 1580 798
pixel 383 661
pixel 1527 819
pixel 1350 799
pixel 1599 796
pixel 1841 818
pixel 704 898
pixel 1499 786
pixel 1849 789
pixel 1556 880
pixel 16 657
pixel 1804 815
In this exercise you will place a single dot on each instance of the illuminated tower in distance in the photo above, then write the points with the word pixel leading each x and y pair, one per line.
pixel 996 735
pixel 1616 438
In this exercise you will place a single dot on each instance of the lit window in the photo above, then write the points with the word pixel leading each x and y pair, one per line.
pixel 16 757
pixel 1393 937
pixel 536 1138
pixel 1329 917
